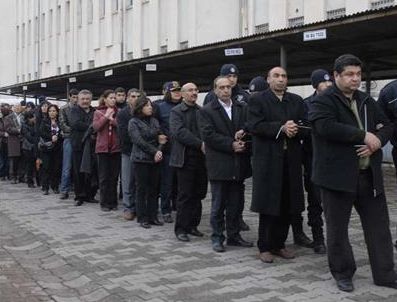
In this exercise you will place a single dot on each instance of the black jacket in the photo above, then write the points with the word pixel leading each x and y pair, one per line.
pixel 267 114
pixel 80 121
pixel 388 102
pixel 123 118
pixel 238 94
pixel 335 134
pixel 184 132
pixel 217 131
pixel 30 138
pixel 144 135
pixel 46 133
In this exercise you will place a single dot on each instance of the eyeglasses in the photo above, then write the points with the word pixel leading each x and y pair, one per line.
pixel 134 96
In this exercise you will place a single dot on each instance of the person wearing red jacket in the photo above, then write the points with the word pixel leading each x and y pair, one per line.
pixel 107 149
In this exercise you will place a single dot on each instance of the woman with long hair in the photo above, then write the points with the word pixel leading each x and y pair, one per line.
pixel 50 145
pixel 107 149
pixel 146 138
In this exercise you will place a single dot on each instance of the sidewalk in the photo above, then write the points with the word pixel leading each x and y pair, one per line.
pixel 53 251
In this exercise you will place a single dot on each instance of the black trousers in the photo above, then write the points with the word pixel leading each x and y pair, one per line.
pixel 108 175
pixel 273 230
pixel 15 164
pixel 51 169
pixel 147 181
pixel 30 165
pixel 83 187
pixel 192 188
pixel 374 218
pixel 314 209
pixel 226 198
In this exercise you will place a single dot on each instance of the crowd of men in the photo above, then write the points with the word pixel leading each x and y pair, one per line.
pixel 328 144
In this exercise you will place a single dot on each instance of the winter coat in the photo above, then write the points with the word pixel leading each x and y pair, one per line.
pixel 13 128
pixel 267 114
pixel 335 135
pixel 80 121
pixel 217 132
pixel 123 118
pixel 107 140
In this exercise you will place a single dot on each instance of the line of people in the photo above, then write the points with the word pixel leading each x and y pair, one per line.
pixel 329 144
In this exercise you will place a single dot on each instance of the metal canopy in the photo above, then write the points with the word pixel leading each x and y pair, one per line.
pixel 370 35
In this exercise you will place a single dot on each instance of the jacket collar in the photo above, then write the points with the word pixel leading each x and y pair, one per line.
pixel 185 107
pixel 358 96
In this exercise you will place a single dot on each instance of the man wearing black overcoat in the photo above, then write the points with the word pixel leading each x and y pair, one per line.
pixel 222 125
pixel 349 129
pixel 277 190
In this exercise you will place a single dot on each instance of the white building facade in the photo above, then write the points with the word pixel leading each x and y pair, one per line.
pixel 46 38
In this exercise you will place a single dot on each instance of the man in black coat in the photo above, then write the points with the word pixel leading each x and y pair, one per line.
pixel 222 123
pixel 320 80
pixel 187 157
pixel 349 129
pixel 80 121
pixel 277 191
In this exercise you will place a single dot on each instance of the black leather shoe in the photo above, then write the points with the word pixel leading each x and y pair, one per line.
pixel 218 247
pixel 196 232
pixel 56 191
pixel 145 225
pixel 319 248
pixel 64 196
pixel 243 226
pixel 45 192
pixel 302 240
pixel 238 241
pixel 388 284
pixel 78 203
pixel 345 285
pixel 155 222
pixel 183 237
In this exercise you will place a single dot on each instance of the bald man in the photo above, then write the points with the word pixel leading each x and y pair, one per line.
pixel 187 156
pixel 274 117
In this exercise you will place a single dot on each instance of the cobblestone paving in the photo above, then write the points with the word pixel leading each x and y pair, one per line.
pixel 53 251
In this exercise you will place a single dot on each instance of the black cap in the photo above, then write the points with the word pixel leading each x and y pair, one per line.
pixel 258 84
pixel 228 69
pixel 318 76
pixel 22 103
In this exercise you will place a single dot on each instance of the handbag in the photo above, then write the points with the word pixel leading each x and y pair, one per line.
pixel 45 146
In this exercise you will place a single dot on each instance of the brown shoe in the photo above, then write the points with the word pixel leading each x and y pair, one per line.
pixel 266 257
pixel 128 215
pixel 284 253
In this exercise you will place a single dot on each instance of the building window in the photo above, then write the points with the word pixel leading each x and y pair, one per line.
pixel 67 16
pixel 59 70
pixel 67 68
pixel 36 75
pixel 79 13
pixel 90 11
pixel 18 37
pixel 80 66
pixel 381 3
pixel 23 35
pixel 102 8
pixel 130 55
pixel 130 3
pixel 91 63
pixel 29 76
pixel 184 45
pixel 145 52
pixel 294 22
pixel 115 6
pixel 58 20
pixel 30 32
pixel 336 13
pixel 50 21
pixel 164 49
pixel 262 28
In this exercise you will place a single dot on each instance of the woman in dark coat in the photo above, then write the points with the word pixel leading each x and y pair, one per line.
pixel 51 153
pixel 146 137
pixel 107 149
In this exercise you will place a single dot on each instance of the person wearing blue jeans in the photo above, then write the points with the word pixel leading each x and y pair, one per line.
pixel 127 165
pixel 64 118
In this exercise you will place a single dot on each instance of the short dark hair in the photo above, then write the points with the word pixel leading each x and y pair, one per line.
pixel 346 60
pixel 73 91
pixel 132 90
pixel 119 90
pixel 140 103
pixel 28 115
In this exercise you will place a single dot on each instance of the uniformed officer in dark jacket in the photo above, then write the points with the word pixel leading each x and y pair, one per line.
pixel 277 190
pixel 320 80
pixel 349 129
pixel 187 156
pixel 222 123
pixel 80 121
